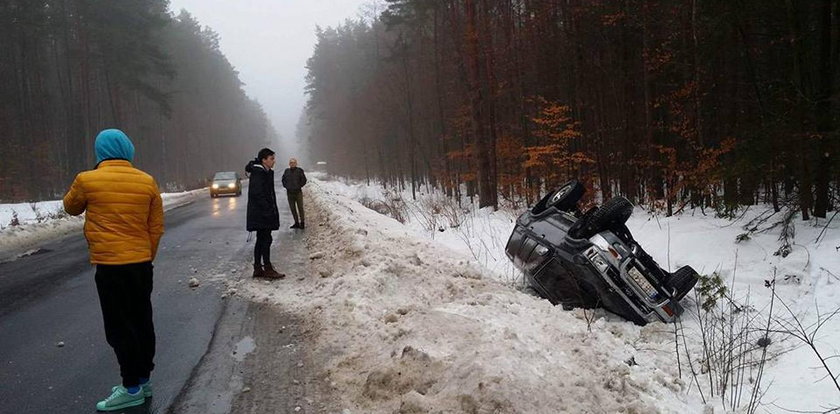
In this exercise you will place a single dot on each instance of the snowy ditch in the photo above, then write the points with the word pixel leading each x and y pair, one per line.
pixel 741 352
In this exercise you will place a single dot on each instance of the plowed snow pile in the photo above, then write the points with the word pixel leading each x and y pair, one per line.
pixel 410 326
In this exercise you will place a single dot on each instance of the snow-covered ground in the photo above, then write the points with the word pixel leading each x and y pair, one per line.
pixel 472 331
pixel 410 325
pixel 25 225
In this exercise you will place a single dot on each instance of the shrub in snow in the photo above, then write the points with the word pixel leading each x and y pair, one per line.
pixel 710 289
pixel 437 211
pixel 390 204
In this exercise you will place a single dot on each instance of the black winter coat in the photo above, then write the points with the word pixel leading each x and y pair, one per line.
pixel 294 179
pixel 262 202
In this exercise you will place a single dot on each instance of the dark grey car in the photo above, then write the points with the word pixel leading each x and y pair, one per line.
pixel 591 260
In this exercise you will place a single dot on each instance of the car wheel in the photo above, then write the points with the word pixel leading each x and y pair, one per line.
pixel 612 213
pixel 567 196
pixel 682 281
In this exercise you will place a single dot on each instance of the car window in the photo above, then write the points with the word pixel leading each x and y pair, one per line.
pixel 225 176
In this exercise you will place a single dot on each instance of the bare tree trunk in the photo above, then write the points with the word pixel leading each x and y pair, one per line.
pixel 491 179
pixel 823 112
pixel 412 140
pixel 480 147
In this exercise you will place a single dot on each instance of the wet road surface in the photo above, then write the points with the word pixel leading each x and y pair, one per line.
pixel 51 297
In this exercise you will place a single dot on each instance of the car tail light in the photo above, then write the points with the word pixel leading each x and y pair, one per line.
pixel 597 260
pixel 537 258
pixel 603 245
pixel 668 310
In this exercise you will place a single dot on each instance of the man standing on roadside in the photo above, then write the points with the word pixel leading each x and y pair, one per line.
pixel 293 181
pixel 123 226
pixel 263 216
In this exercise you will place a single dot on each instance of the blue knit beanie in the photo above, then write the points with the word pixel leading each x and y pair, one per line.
pixel 113 144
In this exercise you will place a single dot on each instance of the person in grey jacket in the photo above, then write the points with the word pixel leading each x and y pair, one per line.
pixel 293 181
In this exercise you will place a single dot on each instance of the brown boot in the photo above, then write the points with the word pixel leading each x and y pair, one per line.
pixel 271 273
pixel 258 271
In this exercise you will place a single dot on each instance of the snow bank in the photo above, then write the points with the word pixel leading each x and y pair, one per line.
pixel 25 225
pixel 411 326
pixel 480 234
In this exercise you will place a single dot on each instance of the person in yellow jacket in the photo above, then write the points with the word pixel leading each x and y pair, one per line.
pixel 123 226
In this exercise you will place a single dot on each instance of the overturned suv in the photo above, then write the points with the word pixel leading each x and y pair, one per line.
pixel 588 260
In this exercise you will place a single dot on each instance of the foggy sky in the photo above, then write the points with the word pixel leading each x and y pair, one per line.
pixel 268 42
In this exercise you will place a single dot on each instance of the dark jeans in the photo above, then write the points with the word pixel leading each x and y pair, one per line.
pixel 296 205
pixel 125 294
pixel 262 249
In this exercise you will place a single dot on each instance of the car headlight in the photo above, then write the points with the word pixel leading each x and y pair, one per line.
pixel 215 186
pixel 231 185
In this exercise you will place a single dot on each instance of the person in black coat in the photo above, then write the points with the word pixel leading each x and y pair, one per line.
pixel 263 216
pixel 293 181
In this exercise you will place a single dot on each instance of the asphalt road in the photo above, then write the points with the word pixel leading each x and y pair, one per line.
pixel 50 297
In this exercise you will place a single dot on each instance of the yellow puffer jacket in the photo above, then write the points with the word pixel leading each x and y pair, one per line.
pixel 124 219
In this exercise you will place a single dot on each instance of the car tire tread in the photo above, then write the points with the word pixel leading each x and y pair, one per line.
pixel 682 281
pixel 614 212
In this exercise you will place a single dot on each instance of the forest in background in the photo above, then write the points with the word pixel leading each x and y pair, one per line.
pixel 709 103
pixel 70 68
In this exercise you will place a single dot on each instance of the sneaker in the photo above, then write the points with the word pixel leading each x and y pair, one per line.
pixel 120 399
pixel 295 226
pixel 146 388
pixel 258 271
pixel 302 226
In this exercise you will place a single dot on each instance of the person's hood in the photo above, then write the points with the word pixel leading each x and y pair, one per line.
pixel 113 144
pixel 255 165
